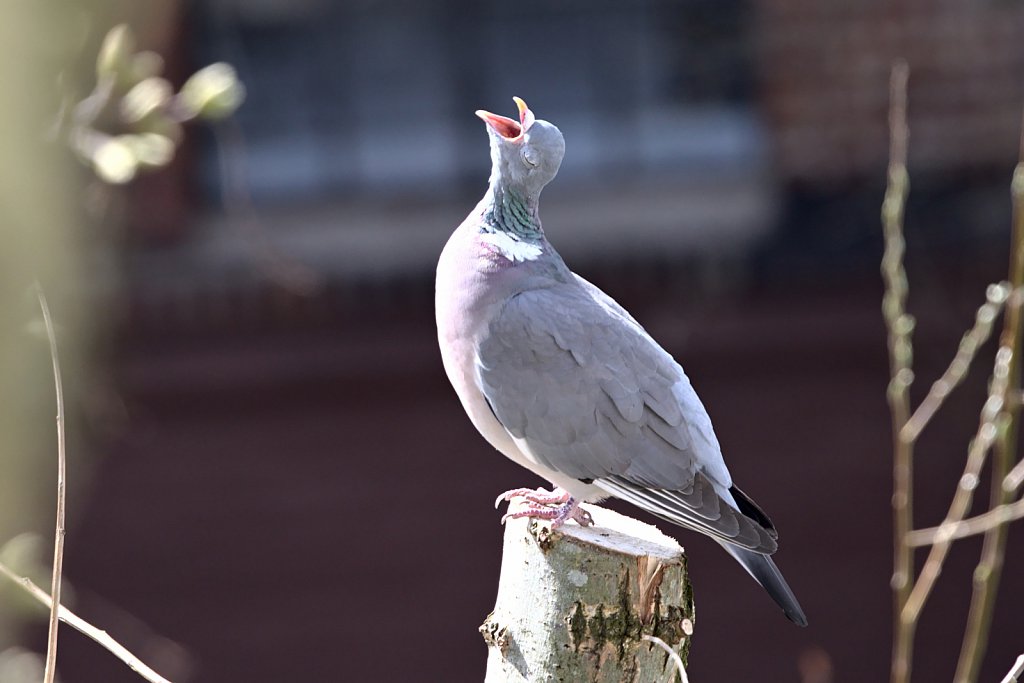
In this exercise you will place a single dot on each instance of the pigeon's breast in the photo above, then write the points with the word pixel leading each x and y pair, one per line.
pixel 471 287
pixel 473 283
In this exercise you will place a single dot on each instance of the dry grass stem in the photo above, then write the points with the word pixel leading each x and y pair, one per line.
pixel 671 653
pixel 84 627
pixel 58 541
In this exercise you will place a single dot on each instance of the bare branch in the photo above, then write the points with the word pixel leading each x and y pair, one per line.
pixel 989 570
pixel 58 541
pixel 982 443
pixel 961 503
pixel 972 526
pixel 81 625
pixel 1015 478
pixel 900 325
pixel 995 296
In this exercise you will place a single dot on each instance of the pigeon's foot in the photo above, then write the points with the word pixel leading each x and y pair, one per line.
pixel 557 506
pixel 538 496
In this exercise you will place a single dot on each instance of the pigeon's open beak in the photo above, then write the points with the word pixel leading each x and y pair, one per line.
pixel 506 127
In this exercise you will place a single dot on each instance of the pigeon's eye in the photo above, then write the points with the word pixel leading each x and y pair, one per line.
pixel 531 157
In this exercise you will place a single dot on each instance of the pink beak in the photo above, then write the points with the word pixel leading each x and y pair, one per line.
pixel 506 127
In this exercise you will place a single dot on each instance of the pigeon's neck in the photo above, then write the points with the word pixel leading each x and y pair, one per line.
pixel 510 212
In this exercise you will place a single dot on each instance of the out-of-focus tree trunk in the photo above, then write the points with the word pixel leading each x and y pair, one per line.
pixel 39 234
pixel 575 604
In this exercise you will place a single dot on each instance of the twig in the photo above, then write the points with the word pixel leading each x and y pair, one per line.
pixel 988 572
pixel 58 541
pixel 1016 672
pixel 1015 478
pixel 961 503
pixel 900 325
pixel 973 526
pixel 671 653
pixel 81 625
pixel 995 297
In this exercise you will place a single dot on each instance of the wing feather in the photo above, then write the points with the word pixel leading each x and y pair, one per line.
pixel 573 377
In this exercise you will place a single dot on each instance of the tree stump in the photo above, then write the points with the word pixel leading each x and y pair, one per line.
pixel 574 603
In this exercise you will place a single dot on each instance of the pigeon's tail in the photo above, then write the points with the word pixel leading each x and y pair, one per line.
pixel 764 571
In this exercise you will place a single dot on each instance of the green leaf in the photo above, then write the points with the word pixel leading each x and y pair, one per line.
pixel 151 150
pixel 114 161
pixel 114 59
pixel 212 93
pixel 146 97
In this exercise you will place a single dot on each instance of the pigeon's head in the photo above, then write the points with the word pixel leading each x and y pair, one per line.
pixel 525 154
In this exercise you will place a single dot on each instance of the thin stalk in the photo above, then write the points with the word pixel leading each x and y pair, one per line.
pixel 1015 478
pixel 83 626
pixel 58 541
pixel 974 526
pixel 995 298
pixel 989 571
pixel 987 575
pixel 900 325
pixel 982 442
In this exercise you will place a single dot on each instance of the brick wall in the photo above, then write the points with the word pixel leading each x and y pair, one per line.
pixel 823 68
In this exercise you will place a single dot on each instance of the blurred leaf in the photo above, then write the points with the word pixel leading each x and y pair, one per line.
pixel 162 125
pixel 18 665
pixel 150 149
pixel 114 161
pixel 146 64
pixel 212 93
pixel 115 56
pixel 28 555
pixel 36 329
pixel 23 554
pixel 146 97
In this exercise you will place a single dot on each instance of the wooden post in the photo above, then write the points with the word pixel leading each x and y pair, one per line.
pixel 574 604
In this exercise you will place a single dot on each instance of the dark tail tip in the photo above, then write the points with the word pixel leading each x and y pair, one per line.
pixel 796 615
pixel 764 571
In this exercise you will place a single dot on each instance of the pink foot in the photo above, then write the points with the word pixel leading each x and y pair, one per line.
pixel 557 506
pixel 538 496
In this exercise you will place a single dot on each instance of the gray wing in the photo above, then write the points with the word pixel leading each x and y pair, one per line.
pixel 587 392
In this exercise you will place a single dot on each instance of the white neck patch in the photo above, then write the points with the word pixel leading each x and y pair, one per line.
pixel 511 248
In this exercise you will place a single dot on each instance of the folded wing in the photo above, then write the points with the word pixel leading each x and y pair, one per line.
pixel 587 392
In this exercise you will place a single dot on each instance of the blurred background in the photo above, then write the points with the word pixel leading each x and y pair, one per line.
pixel 270 477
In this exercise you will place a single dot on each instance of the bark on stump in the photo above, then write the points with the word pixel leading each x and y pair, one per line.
pixel 574 604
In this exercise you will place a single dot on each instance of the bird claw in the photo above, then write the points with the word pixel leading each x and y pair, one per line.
pixel 557 506
pixel 531 511
pixel 582 517
pixel 538 496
